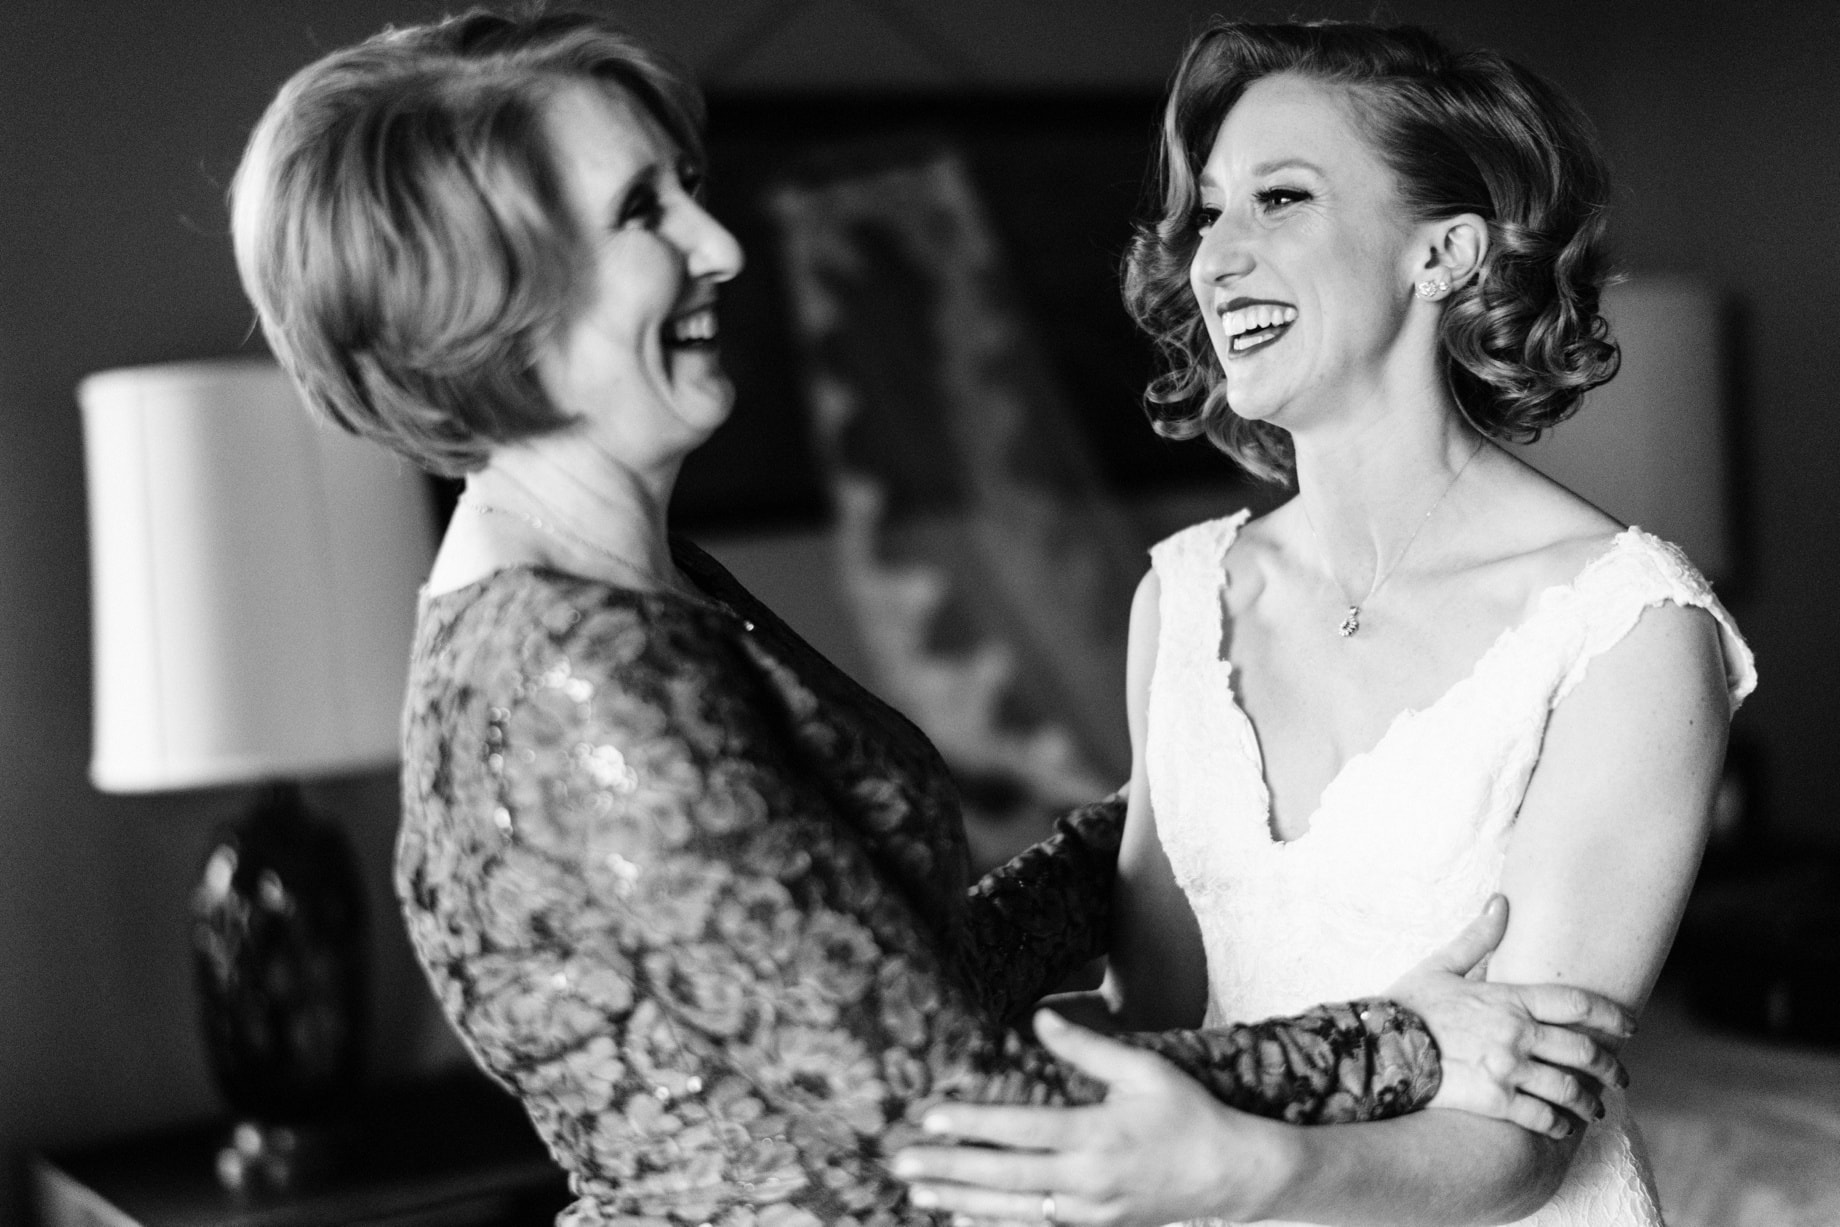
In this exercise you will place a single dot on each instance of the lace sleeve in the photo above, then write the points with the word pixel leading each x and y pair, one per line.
pixel 1036 919
pixel 687 964
pixel 1040 916
pixel 1336 1064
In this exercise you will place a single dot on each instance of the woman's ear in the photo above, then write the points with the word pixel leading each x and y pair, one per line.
pixel 1452 250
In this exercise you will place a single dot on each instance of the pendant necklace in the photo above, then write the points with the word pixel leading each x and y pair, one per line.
pixel 1351 621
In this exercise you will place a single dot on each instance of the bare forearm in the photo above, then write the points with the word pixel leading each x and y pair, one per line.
pixel 1434 1167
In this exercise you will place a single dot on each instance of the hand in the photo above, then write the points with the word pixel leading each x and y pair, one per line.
pixel 1527 1053
pixel 1158 1150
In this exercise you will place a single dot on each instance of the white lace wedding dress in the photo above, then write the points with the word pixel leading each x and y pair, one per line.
pixel 1408 841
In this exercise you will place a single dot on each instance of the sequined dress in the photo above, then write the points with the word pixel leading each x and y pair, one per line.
pixel 1408 841
pixel 702 904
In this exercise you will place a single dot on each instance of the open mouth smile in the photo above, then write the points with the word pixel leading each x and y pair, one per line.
pixel 1251 325
pixel 692 329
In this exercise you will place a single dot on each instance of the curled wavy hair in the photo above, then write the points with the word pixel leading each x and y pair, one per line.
pixel 401 225
pixel 1462 132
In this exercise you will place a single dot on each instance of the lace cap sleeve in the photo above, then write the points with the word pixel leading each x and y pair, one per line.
pixel 1197 549
pixel 1638 572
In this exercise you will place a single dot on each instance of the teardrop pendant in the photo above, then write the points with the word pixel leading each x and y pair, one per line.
pixel 1351 622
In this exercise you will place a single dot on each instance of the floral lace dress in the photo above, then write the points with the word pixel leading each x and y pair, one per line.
pixel 701 903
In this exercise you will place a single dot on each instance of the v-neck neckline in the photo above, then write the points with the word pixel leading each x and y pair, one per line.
pixel 1548 598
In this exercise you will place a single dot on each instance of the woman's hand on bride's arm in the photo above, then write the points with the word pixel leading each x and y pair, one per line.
pixel 1534 1054
pixel 1161 1150
pixel 1158 1150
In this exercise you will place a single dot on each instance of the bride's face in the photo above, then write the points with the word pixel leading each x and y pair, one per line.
pixel 1303 269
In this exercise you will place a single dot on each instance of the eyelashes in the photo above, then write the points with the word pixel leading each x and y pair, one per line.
pixel 1272 199
pixel 644 203
pixel 1266 201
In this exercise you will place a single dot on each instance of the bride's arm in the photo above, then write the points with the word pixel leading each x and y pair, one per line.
pixel 1615 818
pixel 1607 842
pixel 1156 975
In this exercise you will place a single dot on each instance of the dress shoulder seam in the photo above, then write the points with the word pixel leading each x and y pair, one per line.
pixel 1200 544
pixel 1638 572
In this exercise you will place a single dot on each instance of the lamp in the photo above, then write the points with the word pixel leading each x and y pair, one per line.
pixel 253 579
pixel 1650 445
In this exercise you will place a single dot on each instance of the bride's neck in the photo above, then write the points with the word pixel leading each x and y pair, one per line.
pixel 1366 486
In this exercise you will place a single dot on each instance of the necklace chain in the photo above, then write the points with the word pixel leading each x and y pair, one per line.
pixel 646 580
pixel 552 529
pixel 1351 620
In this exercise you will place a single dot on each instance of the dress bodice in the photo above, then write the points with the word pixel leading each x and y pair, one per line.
pixel 1409 839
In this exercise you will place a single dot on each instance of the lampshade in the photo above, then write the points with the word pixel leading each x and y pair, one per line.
pixel 1649 447
pixel 253 580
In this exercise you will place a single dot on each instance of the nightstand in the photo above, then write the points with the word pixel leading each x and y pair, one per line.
pixel 452 1152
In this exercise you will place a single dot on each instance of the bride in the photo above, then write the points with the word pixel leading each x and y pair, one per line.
pixel 1432 675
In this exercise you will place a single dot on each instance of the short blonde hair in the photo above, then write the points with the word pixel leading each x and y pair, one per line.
pixel 402 229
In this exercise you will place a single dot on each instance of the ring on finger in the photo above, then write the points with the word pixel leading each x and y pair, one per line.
pixel 1047 1208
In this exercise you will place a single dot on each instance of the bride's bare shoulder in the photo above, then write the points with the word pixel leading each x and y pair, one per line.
pixel 1271 533
pixel 1544 533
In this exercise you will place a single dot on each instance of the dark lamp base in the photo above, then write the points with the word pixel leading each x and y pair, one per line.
pixel 278 942
pixel 274 1157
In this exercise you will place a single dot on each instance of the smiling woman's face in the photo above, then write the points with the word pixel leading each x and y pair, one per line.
pixel 1303 270
pixel 637 357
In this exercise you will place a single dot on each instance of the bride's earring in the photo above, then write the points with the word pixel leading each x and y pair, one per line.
pixel 1433 289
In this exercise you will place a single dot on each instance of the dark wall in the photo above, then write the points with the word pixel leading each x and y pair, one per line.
pixel 1723 125
pixel 120 122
